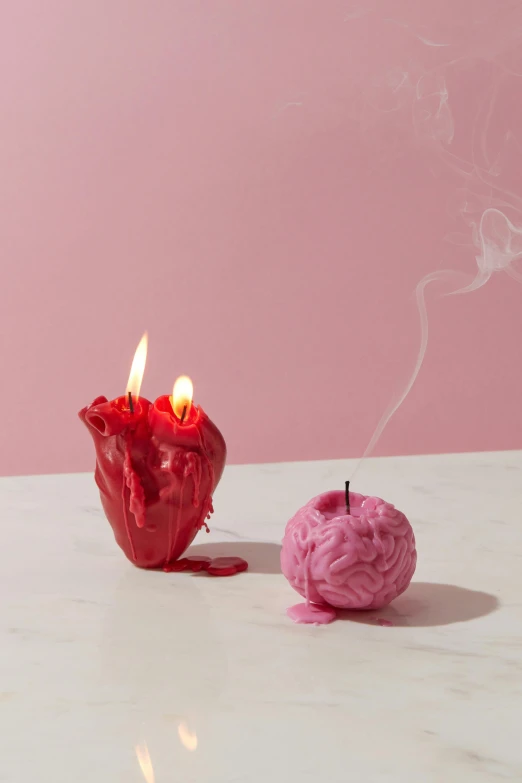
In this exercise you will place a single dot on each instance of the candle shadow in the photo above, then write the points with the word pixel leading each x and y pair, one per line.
pixel 428 604
pixel 262 557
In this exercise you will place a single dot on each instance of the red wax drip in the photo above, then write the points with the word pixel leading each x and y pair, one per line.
pixel 178 522
pixel 193 468
pixel 207 506
pixel 218 566
pixel 126 519
pixel 137 495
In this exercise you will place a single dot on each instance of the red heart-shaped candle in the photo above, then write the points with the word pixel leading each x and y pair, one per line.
pixel 156 474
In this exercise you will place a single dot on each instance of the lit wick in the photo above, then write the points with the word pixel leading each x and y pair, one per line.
pixel 131 404
pixel 347 495
pixel 183 414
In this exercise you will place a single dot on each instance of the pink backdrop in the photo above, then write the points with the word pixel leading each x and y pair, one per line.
pixel 261 185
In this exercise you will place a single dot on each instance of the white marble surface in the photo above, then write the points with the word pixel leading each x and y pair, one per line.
pixel 97 656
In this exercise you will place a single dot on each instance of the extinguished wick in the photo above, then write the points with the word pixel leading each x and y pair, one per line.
pixel 347 495
pixel 131 404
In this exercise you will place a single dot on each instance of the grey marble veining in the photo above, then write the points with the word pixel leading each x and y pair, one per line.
pixel 98 658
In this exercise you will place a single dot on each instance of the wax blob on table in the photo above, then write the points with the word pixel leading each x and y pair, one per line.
pixel 216 566
pixel 156 474
pixel 357 559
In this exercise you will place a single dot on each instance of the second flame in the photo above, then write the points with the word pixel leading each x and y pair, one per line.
pixel 181 399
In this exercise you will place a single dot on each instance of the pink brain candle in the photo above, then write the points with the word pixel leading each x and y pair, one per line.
pixel 357 559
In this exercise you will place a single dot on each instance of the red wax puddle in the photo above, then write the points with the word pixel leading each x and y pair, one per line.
pixel 189 564
pixel 311 613
pixel 227 566
pixel 217 566
pixel 384 623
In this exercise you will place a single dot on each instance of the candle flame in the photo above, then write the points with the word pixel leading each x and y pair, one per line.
pixel 188 738
pixel 142 753
pixel 138 368
pixel 181 399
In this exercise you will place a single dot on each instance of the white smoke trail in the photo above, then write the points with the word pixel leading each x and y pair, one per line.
pixel 500 243
pixel 394 406
pixel 409 101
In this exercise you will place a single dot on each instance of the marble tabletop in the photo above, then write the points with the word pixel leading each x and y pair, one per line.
pixel 205 679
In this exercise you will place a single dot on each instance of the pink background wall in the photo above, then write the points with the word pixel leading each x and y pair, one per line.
pixel 261 185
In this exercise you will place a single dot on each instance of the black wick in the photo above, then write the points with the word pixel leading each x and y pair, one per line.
pixel 183 414
pixel 131 404
pixel 347 495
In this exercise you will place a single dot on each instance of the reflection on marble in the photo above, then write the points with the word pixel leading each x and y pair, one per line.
pixel 112 673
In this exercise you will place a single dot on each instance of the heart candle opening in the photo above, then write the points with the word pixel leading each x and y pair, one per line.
pixel 98 423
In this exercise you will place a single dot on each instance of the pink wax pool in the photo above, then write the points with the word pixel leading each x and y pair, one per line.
pixel 361 558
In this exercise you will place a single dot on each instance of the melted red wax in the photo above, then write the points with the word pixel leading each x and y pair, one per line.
pixel 218 566
pixel 227 566
pixel 132 481
pixel 189 564
pixel 156 476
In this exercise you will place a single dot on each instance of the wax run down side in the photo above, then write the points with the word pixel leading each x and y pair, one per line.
pixel 131 481
pixel 193 467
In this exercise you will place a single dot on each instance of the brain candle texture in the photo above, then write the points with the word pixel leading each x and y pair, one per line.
pixel 361 558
